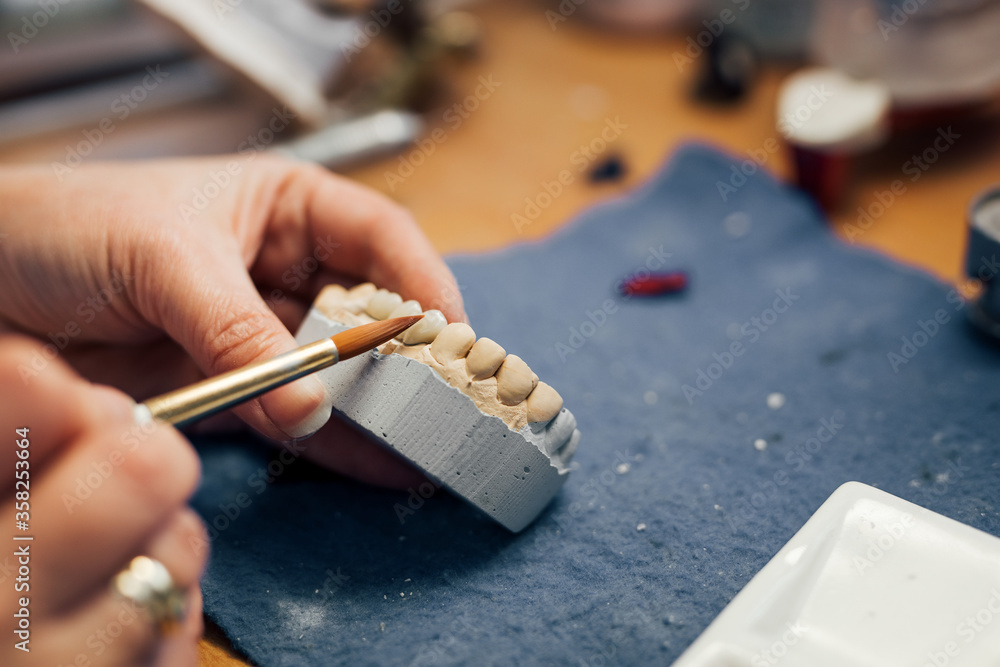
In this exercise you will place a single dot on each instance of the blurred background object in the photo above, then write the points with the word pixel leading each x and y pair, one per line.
pixel 981 261
pixel 98 65
pixel 346 82
pixel 929 53
pixel 638 15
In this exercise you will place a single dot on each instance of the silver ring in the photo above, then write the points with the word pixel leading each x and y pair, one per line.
pixel 148 583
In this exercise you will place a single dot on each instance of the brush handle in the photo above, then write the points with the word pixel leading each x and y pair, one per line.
pixel 218 393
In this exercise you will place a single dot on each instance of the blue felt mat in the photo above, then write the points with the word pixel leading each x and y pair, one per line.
pixel 672 508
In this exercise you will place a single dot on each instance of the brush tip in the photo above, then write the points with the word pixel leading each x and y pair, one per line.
pixel 362 338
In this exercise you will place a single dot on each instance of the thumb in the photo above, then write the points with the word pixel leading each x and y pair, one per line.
pixel 214 311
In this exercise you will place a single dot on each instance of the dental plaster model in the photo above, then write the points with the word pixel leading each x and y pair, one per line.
pixel 464 411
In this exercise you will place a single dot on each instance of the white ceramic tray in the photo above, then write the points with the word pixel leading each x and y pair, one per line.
pixel 870 581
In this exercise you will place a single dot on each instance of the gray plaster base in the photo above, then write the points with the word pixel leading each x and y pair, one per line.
pixel 408 407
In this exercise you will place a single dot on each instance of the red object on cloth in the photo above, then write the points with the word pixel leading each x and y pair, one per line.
pixel 654 284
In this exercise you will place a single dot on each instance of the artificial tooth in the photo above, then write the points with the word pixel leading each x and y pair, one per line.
pixel 362 290
pixel 514 380
pixel 454 342
pixel 544 403
pixel 405 309
pixel 357 298
pixel 567 451
pixel 427 329
pixel 559 431
pixel 382 303
pixel 484 359
pixel 330 298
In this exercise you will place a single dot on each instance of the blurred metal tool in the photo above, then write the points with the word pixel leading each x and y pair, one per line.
pixel 982 262
pixel 356 140
pixel 100 106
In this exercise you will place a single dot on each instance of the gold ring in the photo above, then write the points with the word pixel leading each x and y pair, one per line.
pixel 148 583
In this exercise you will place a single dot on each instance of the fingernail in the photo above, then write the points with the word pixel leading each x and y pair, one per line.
pixel 316 420
pixel 116 405
pixel 300 408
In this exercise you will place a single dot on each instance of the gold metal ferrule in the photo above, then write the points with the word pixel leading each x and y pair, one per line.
pixel 218 393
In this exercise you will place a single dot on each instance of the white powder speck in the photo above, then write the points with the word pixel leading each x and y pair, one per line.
pixel 622 468
pixel 402 595
pixel 651 397
pixel 641 527
pixel 760 444
pixel 737 224
pixel 775 400
pixel 718 508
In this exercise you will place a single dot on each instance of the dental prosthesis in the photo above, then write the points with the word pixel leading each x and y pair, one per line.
pixel 472 417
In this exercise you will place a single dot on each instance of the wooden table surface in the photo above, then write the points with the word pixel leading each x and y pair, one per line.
pixel 555 90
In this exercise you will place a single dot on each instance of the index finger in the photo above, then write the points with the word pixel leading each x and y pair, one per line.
pixel 354 231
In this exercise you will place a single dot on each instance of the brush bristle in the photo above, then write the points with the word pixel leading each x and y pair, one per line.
pixel 360 339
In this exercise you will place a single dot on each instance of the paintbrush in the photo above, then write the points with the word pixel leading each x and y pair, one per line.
pixel 218 393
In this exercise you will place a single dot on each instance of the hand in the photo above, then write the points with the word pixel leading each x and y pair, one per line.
pixel 149 276
pixel 93 503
